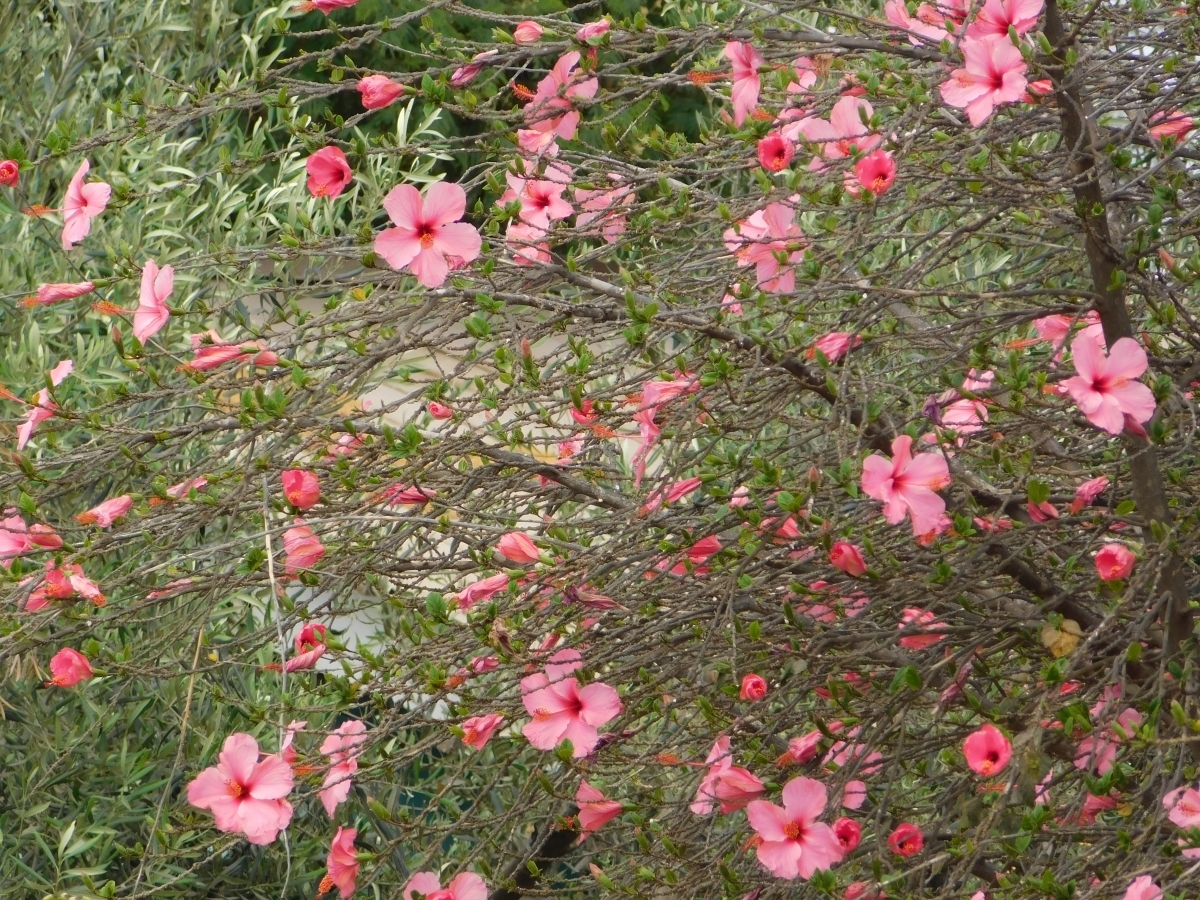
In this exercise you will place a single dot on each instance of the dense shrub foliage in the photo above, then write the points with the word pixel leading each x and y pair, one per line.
pixel 500 449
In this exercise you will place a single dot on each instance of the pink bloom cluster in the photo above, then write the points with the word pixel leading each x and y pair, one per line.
pixel 18 539
pixel 762 239
pixel 993 72
pixel 343 749
pixel 724 783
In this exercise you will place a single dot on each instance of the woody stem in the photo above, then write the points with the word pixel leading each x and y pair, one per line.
pixel 1104 262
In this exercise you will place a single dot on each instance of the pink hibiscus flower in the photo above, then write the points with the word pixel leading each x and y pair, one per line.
pixel 1175 124
pixel 518 548
pixel 107 512
pixel 464 886
pixel 152 312
pixel 997 16
pixel 310 647
pixel 40 410
pixel 378 91
pixel 400 494
pixel 1114 562
pixel 541 201
pixel 595 810
pixel 759 239
pixel 1106 389
pixel 926 626
pixel 775 152
pixel 478 730
pixel 898 15
pixel 987 750
pixel 1057 328
pixel 82 204
pixel 845 134
pixel 874 174
pixel 1143 888
pixel 528 243
pixel 58 291
pixel 17 539
pixel 527 32
pixel 552 110
pixel 481 590
pixel 328 172
pixel 301 487
pixel 464 75
pixel 342 749
pixel 244 794
pixel 605 207
pixel 834 345
pixel 1086 493
pixel 746 83
pixel 848 557
pixel 993 74
pixel 794 844
pixel 906 485
pixel 428 238
pixel 69 667
pixel 562 709
pixel 1183 807
pixel 303 548
pixel 733 786
pixel 211 352
pixel 341 866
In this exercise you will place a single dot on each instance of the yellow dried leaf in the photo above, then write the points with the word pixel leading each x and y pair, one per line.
pixel 544 454
pixel 1061 641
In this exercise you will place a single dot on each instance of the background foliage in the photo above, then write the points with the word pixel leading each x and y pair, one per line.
pixel 201 116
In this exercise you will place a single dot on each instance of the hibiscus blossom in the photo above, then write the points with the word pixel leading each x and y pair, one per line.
pixel 541 200
pixel 341 866
pixel 552 109
pixel 993 74
pixel 563 709
pixel 906 485
pixel 152 312
pixel 464 886
pixel 997 16
pixel 733 786
pixel 760 239
pixel 844 135
pixel 1106 389
pixel 746 83
pixel 794 844
pixel 987 750
pixel 342 749
pixel 302 547
pixel 82 204
pixel 595 810
pixel 428 238
pixel 245 794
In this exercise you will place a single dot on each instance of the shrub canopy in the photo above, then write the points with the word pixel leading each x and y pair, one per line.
pixel 707 449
